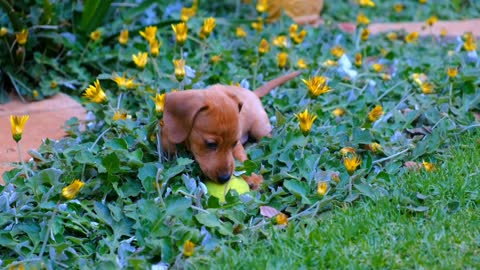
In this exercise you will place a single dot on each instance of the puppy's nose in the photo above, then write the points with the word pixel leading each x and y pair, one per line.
pixel 224 178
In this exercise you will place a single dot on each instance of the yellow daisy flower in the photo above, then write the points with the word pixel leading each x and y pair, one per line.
pixel 18 123
pixel 181 33
pixel 351 163
pixel 22 37
pixel 317 85
pixel 70 192
pixel 305 121
pixel 179 66
pixel 95 93
pixel 123 37
pixel 375 113
pixel 140 59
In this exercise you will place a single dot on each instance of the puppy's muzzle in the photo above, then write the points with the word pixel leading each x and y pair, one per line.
pixel 224 178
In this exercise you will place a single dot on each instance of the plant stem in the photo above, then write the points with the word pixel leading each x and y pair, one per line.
pixel 19 149
pixel 49 228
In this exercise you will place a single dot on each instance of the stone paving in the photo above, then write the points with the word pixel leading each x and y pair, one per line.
pixel 48 116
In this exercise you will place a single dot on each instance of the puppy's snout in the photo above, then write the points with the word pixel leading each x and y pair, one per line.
pixel 224 178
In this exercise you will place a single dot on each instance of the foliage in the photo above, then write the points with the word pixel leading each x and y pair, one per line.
pixel 138 208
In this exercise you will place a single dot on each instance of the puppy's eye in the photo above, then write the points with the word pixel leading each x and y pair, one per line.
pixel 211 145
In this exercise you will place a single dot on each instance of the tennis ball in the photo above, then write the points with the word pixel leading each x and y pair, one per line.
pixel 219 190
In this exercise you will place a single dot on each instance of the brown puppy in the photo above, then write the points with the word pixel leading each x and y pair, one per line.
pixel 215 123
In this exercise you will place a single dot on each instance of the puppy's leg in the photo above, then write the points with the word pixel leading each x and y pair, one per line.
pixel 254 180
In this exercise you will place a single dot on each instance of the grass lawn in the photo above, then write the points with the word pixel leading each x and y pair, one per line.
pixel 443 232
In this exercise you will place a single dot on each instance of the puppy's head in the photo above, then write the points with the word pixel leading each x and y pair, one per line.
pixel 207 121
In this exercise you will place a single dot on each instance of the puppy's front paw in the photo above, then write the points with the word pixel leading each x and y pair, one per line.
pixel 254 180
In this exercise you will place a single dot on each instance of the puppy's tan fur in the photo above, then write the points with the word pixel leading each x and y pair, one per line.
pixel 214 123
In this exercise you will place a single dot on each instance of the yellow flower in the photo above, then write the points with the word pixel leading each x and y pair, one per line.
pixel 123 82
pixel 386 77
pixel 411 37
pixel 297 39
pixel 258 25
pixel 338 112
pixel 317 85
pixel 419 78
pixel 452 72
pixel 35 93
pixel 443 32
pixel 264 47
pixel 322 188
pixel 427 88
pixel 119 115
pixel 70 191
pixel 377 67
pixel 179 69
pixel 301 64
pixel 123 37
pixel 398 7
pixel 281 219
pixel 155 48
pixel 469 44
pixel 181 33
pixel 422 1
pixel 95 93
pixel 95 35
pixel 187 13
pixel 292 30
pixel 3 31
pixel 337 51
pixel 365 34
pixel 376 148
pixel 392 36
pixel 364 3
pixel 330 63
pixel 347 150
pixel 428 166
pixel 432 20
pixel 351 163
pixel 282 59
pixel 207 28
pixel 305 121
pixel 362 19
pixel 262 6
pixel 140 59
pixel 375 113
pixel 150 33
pixel 188 248
pixel 159 102
pixel 240 32
pixel 216 58
pixel 22 37
pixel 18 123
pixel 358 59
pixel 280 41
pixel 53 84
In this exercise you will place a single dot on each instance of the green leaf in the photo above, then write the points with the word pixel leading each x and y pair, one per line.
pixel 297 188
pixel 361 136
pixel 111 163
pixel 177 206
pixel 365 189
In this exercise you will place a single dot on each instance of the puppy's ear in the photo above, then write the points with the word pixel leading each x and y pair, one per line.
pixel 180 111
pixel 236 99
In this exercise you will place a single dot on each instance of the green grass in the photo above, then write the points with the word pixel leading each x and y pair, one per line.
pixel 383 233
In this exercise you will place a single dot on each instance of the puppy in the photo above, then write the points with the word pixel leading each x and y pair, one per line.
pixel 214 123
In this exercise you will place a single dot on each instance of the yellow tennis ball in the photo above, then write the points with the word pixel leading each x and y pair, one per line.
pixel 219 190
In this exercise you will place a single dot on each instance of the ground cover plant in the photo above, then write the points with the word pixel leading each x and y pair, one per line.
pixel 366 110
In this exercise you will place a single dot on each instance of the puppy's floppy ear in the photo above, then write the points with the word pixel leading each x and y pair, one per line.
pixel 236 99
pixel 180 111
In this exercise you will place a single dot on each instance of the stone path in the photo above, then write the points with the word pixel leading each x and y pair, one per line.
pixel 48 116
